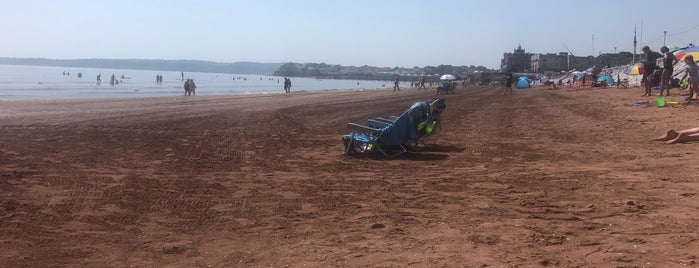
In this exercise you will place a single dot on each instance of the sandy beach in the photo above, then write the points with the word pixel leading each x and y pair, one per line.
pixel 561 178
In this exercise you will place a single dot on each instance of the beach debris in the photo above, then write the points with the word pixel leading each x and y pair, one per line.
pixel 642 103
pixel 378 226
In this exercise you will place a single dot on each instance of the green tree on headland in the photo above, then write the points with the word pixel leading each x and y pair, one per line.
pixel 323 70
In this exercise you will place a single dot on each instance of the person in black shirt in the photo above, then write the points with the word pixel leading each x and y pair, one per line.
pixel 649 63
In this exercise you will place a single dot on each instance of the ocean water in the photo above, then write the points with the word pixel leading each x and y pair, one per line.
pixel 19 82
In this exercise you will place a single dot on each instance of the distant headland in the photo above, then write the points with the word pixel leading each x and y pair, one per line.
pixel 154 65
pixel 314 70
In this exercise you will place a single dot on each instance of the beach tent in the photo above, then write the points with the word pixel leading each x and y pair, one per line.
pixel 579 76
pixel 574 76
pixel 606 78
pixel 523 82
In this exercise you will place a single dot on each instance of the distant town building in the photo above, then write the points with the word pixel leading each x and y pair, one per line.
pixel 523 62
pixel 518 62
pixel 541 63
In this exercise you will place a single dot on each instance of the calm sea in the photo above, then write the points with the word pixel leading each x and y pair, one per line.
pixel 45 83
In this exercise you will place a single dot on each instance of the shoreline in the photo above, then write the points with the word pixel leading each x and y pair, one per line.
pixel 42 83
pixel 85 107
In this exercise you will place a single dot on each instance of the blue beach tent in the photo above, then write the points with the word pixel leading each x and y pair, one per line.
pixel 523 83
pixel 606 78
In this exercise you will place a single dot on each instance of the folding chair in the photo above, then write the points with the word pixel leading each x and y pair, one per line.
pixel 379 135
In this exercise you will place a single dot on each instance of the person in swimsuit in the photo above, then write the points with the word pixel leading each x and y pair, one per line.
pixel 669 61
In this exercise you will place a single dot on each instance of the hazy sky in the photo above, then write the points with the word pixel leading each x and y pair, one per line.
pixel 403 33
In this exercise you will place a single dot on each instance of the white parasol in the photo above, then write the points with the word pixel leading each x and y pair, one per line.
pixel 447 77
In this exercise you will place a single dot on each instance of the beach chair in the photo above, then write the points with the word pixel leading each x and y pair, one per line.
pixel 384 136
pixel 389 136
pixel 623 83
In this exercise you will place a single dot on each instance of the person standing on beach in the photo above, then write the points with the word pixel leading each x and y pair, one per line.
pixel 186 87
pixel 692 70
pixel 648 60
pixel 595 75
pixel 508 84
pixel 192 87
pixel 669 61
pixel 99 79
pixel 395 84
pixel 421 83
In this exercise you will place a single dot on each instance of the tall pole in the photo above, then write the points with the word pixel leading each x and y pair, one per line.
pixel 633 61
pixel 593 45
pixel 641 33
pixel 664 35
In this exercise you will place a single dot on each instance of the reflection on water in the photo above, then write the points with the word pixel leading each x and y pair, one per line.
pixel 40 82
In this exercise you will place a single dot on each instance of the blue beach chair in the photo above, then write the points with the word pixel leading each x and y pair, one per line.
pixel 396 135
pixel 387 137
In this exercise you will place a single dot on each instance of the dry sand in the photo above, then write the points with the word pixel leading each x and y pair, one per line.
pixel 563 178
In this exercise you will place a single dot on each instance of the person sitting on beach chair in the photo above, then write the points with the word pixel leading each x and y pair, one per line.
pixel 427 114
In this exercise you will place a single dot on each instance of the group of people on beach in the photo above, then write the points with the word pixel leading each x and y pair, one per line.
pixel 692 71
pixel 189 87
pixel 651 70
pixel 287 85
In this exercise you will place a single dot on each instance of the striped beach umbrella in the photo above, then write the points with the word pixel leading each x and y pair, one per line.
pixel 682 53
pixel 634 69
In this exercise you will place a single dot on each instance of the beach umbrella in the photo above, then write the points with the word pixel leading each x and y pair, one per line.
pixel 635 69
pixel 447 77
pixel 682 53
